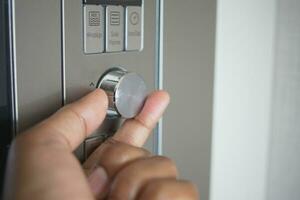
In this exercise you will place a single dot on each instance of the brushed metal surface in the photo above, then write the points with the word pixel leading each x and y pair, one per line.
pixel 130 95
pixel 82 72
pixel 126 92
pixel 188 76
pixel 38 60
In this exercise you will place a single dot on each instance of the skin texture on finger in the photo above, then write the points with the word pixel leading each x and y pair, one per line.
pixel 134 176
pixel 112 155
pixel 136 131
pixel 168 189
pixel 74 122
pixel 41 164
pixel 98 181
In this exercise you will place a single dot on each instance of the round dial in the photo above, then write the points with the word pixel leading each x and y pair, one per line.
pixel 126 91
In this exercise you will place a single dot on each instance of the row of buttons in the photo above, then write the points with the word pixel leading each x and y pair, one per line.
pixel 105 29
pixel 114 2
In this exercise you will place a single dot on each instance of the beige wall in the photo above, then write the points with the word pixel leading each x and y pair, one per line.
pixel 189 67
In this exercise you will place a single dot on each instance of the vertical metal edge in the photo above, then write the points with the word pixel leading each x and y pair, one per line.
pixel 142 26
pixel 13 66
pixel 159 71
pixel 63 52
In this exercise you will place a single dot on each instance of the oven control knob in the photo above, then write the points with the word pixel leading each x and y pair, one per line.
pixel 126 92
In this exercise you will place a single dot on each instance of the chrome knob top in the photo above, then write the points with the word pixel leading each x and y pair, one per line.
pixel 126 91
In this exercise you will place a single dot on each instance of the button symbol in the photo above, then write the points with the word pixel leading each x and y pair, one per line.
pixel 94 18
pixel 92 84
pixel 115 17
pixel 134 18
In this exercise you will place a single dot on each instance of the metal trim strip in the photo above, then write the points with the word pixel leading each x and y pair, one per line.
pixel 158 135
pixel 13 66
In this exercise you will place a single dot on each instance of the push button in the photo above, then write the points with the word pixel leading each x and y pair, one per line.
pixel 134 24
pixel 114 28
pixel 93 29
pixel 115 2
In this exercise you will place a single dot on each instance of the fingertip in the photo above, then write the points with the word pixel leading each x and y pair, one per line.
pixel 162 95
pixel 100 96
pixel 136 131
pixel 154 107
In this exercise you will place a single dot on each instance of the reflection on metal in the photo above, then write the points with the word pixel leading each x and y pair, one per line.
pixel 13 64
pixel 126 92
pixel 158 139
pixel 63 52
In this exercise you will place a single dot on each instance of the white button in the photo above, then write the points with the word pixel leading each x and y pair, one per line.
pixel 93 29
pixel 134 26
pixel 114 28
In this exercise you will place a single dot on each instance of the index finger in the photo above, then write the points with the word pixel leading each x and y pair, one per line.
pixel 136 131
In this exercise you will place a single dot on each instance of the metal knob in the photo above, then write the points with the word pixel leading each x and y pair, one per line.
pixel 126 91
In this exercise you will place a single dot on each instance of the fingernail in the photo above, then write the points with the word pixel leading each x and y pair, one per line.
pixel 98 180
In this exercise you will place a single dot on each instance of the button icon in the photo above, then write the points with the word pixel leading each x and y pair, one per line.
pixel 94 18
pixel 93 29
pixel 114 28
pixel 133 28
pixel 134 18
pixel 115 18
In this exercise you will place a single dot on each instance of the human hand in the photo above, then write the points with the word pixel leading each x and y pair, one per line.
pixel 41 164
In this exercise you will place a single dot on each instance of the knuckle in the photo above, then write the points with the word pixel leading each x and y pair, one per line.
pixel 143 123
pixel 157 189
pixel 114 155
pixel 113 148
pixel 153 190
pixel 169 189
pixel 167 163
pixel 134 176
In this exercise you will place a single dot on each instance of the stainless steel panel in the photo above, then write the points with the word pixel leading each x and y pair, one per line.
pixel 83 71
pixel 38 60
pixel 188 76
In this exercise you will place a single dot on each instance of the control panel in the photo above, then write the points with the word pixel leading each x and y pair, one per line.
pixel 109 44
pixel 112 26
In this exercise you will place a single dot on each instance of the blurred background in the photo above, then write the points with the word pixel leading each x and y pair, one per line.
pixel 233 123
